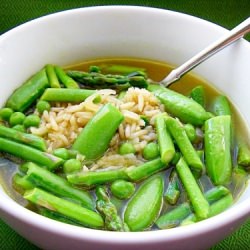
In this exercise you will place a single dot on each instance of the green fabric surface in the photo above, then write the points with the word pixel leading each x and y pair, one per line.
pixel 227 13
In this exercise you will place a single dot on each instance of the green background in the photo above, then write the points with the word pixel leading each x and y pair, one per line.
pixel 227 13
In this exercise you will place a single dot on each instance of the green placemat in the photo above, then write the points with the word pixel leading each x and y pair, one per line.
pixel 227 13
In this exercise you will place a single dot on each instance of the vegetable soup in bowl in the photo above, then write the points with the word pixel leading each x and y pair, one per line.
pixel 95 153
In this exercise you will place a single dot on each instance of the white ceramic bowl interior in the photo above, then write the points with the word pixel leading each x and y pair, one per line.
pixel 123 31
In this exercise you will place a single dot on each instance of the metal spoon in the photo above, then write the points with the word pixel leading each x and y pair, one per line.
pixel 238 32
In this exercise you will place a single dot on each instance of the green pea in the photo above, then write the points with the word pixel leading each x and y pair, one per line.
pixel 16 118
pixel 122 189
pixel 72 165
pixel 42 106
pixel 5 113
pixel 126 148
pixel 62 153
pixel 151 151
pixel 19 127
pixel 31 121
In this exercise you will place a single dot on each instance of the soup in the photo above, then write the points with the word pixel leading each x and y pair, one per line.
pixel 101 145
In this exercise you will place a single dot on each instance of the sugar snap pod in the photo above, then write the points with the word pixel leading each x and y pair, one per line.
pixel 217 149
pixel 144 207
pixel 94 139
pixel 186 109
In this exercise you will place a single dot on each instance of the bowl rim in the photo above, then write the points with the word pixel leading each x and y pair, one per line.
pixel 15 210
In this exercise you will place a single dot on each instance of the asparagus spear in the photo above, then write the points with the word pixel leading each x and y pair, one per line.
pixel 145 170
pixel 29 139
pixel 30 154
pixel 95 79
pixel 52 77
pixel 243 157
pixel 112 220
pixel 173 217
pixel 66 95
pixel 119 68
pixel 51 182
pixel 74 211
pixel 98 177
pixel 216 208
pixel 166 145
pixel 22 182
pixel 180 106
pixel 176 158
pixel 65 79
pixel 95 137
pixel 199 203
pixel 58 217
pixel 172 193
pixel 27 94
pixel 179 134
pixel 217 149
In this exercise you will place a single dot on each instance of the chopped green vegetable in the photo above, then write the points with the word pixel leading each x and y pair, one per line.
pixel 190 131
pixel 19 127
pixel 27 94
pixel 221 106
pixel 166 145
pixel 85 216
pixel 179 134
pixel 52 77
pixel 49 181
pixel 25 138
pixel 41 106
pixel 31 121
pixel 72 165
pixel 172 193
pixel 66 95
pixel 180 106
pixel 62 153
pixel 217 149
pixel 145 169
pixel 151 151
pixel 126 148
pixel 175 216
pixel 122 189
pixel 67 81
pixel 5 113
pixel 92 141
pixel 200 205
pixel 103 204
pixel 30 154
pixel 144 208
pixel 198 95
pixel 243 157
pixel 96 177
pixel 16 118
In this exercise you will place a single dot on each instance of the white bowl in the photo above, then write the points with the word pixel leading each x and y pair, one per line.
pixel 116 31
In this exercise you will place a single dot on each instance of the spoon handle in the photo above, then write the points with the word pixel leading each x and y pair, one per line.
pixel 238 32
